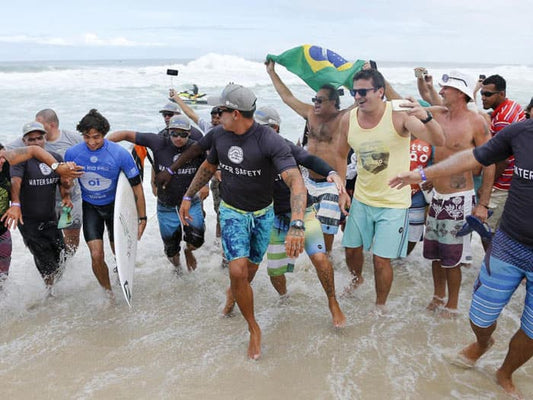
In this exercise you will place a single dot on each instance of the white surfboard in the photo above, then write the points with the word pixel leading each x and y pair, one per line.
pixel 125 228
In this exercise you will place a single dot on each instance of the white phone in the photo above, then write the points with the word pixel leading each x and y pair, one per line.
pixel 397 105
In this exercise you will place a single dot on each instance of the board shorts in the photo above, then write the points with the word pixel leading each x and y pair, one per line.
pixel 417 217
pixel 384 230
pixel 501 273
pixel 446 216
pixel 245 234
pixel 6 246
pixel 497 201
pixel 75 214
pixel 45 243
pixel 94 219
pixel 326 198
pixel 171 230
pixel 278 262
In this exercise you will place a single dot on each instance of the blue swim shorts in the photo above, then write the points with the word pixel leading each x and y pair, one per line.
pixel 245 234
pixel 278 262
pixel 384 230
pixel 500 275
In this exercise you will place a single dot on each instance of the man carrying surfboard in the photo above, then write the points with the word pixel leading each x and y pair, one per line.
pixel 166 150
pixel 248 155
pixel 103 161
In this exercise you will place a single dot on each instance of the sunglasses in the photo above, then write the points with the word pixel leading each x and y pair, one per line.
pixel 361 92
pixel 488 94
pixel 168 114
pixel 223 110
pixel 319 100
pixel 446 78
pixel 181 134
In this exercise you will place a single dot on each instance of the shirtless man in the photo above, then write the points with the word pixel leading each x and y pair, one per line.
pixel 454 196
pixel 381 138
pixel 323 121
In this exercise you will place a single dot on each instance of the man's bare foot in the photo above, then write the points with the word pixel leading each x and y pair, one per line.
pixel 190 259
pixel 468 356
pixel 435 303
pixel 354 284
pixel 448 313
pixel 230 303
pixel 507 385
pixel 339 320
pixel 254 347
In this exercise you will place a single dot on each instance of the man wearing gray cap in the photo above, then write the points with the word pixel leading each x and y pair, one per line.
pixel 166 150
pixel 33 191
pixel 249 156
pixel 454 196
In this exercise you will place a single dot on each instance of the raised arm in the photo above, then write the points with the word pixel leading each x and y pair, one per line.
pixel 427 90
pixel 189 112
pixel 301 108
pixel 420 123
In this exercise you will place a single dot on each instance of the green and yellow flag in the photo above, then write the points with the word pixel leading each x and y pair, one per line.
pixel 317 66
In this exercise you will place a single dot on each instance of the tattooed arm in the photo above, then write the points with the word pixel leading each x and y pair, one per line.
pixel 294 241
pixel 202 177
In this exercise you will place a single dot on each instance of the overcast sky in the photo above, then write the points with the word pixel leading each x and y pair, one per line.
pixel 484 31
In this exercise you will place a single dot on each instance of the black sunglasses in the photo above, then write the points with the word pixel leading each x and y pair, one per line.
pixel 362 92
pixel 181 134
pixel 446 78
pixel 319 100
pixel 488 94
pixel 168 114
pixel 223 110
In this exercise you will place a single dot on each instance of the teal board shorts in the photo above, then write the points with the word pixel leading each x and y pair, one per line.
pixel 384 230
pixel 278 262
pixel 245 234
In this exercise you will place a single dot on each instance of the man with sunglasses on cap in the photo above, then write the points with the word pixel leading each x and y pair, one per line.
pixel 505 112
pixel 166 149
pixel 278 262
pixel 249 156
pixel 454 196
pixel 323 122
pixel 380 137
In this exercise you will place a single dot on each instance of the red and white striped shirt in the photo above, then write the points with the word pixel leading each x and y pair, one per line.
pixel 504 115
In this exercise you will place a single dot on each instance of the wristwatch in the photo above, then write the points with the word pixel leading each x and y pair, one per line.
pixel 54 166
pixel 297 224
pixel 429 118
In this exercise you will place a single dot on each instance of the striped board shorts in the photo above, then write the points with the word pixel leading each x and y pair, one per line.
pixel 326 198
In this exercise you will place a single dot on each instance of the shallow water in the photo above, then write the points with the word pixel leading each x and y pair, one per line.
pixel 173 343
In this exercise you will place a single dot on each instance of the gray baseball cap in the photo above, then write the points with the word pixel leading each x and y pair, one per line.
pixel 171 107
pixel 267 115
pixel 31 127
pixel 236 97
pixel 179 122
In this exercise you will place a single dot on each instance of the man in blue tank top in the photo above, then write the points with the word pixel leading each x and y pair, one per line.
pixel 103 161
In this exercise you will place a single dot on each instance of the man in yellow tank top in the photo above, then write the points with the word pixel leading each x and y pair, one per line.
pixel 378 216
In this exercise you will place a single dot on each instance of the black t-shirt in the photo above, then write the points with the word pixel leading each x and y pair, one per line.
pixel 249 164
pixel 5 191
pixel 282 193
pixel 38 189
pixel 517 140
pixel 165 153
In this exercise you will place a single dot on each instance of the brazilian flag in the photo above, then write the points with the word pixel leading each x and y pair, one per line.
pixel 317 66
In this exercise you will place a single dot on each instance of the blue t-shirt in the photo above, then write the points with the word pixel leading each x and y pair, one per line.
pixel 517 140
pixel 249 164
pixel 101 170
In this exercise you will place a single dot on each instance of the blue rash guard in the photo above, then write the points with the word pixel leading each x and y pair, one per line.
pixel 101 170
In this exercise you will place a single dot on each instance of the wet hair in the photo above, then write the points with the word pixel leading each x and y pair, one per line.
pixel 378 81
pixel 496 80
pixel 93 120
pixel 48 115
pixel 333 94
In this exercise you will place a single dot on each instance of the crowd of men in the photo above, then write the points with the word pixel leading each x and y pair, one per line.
pixel 448 159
